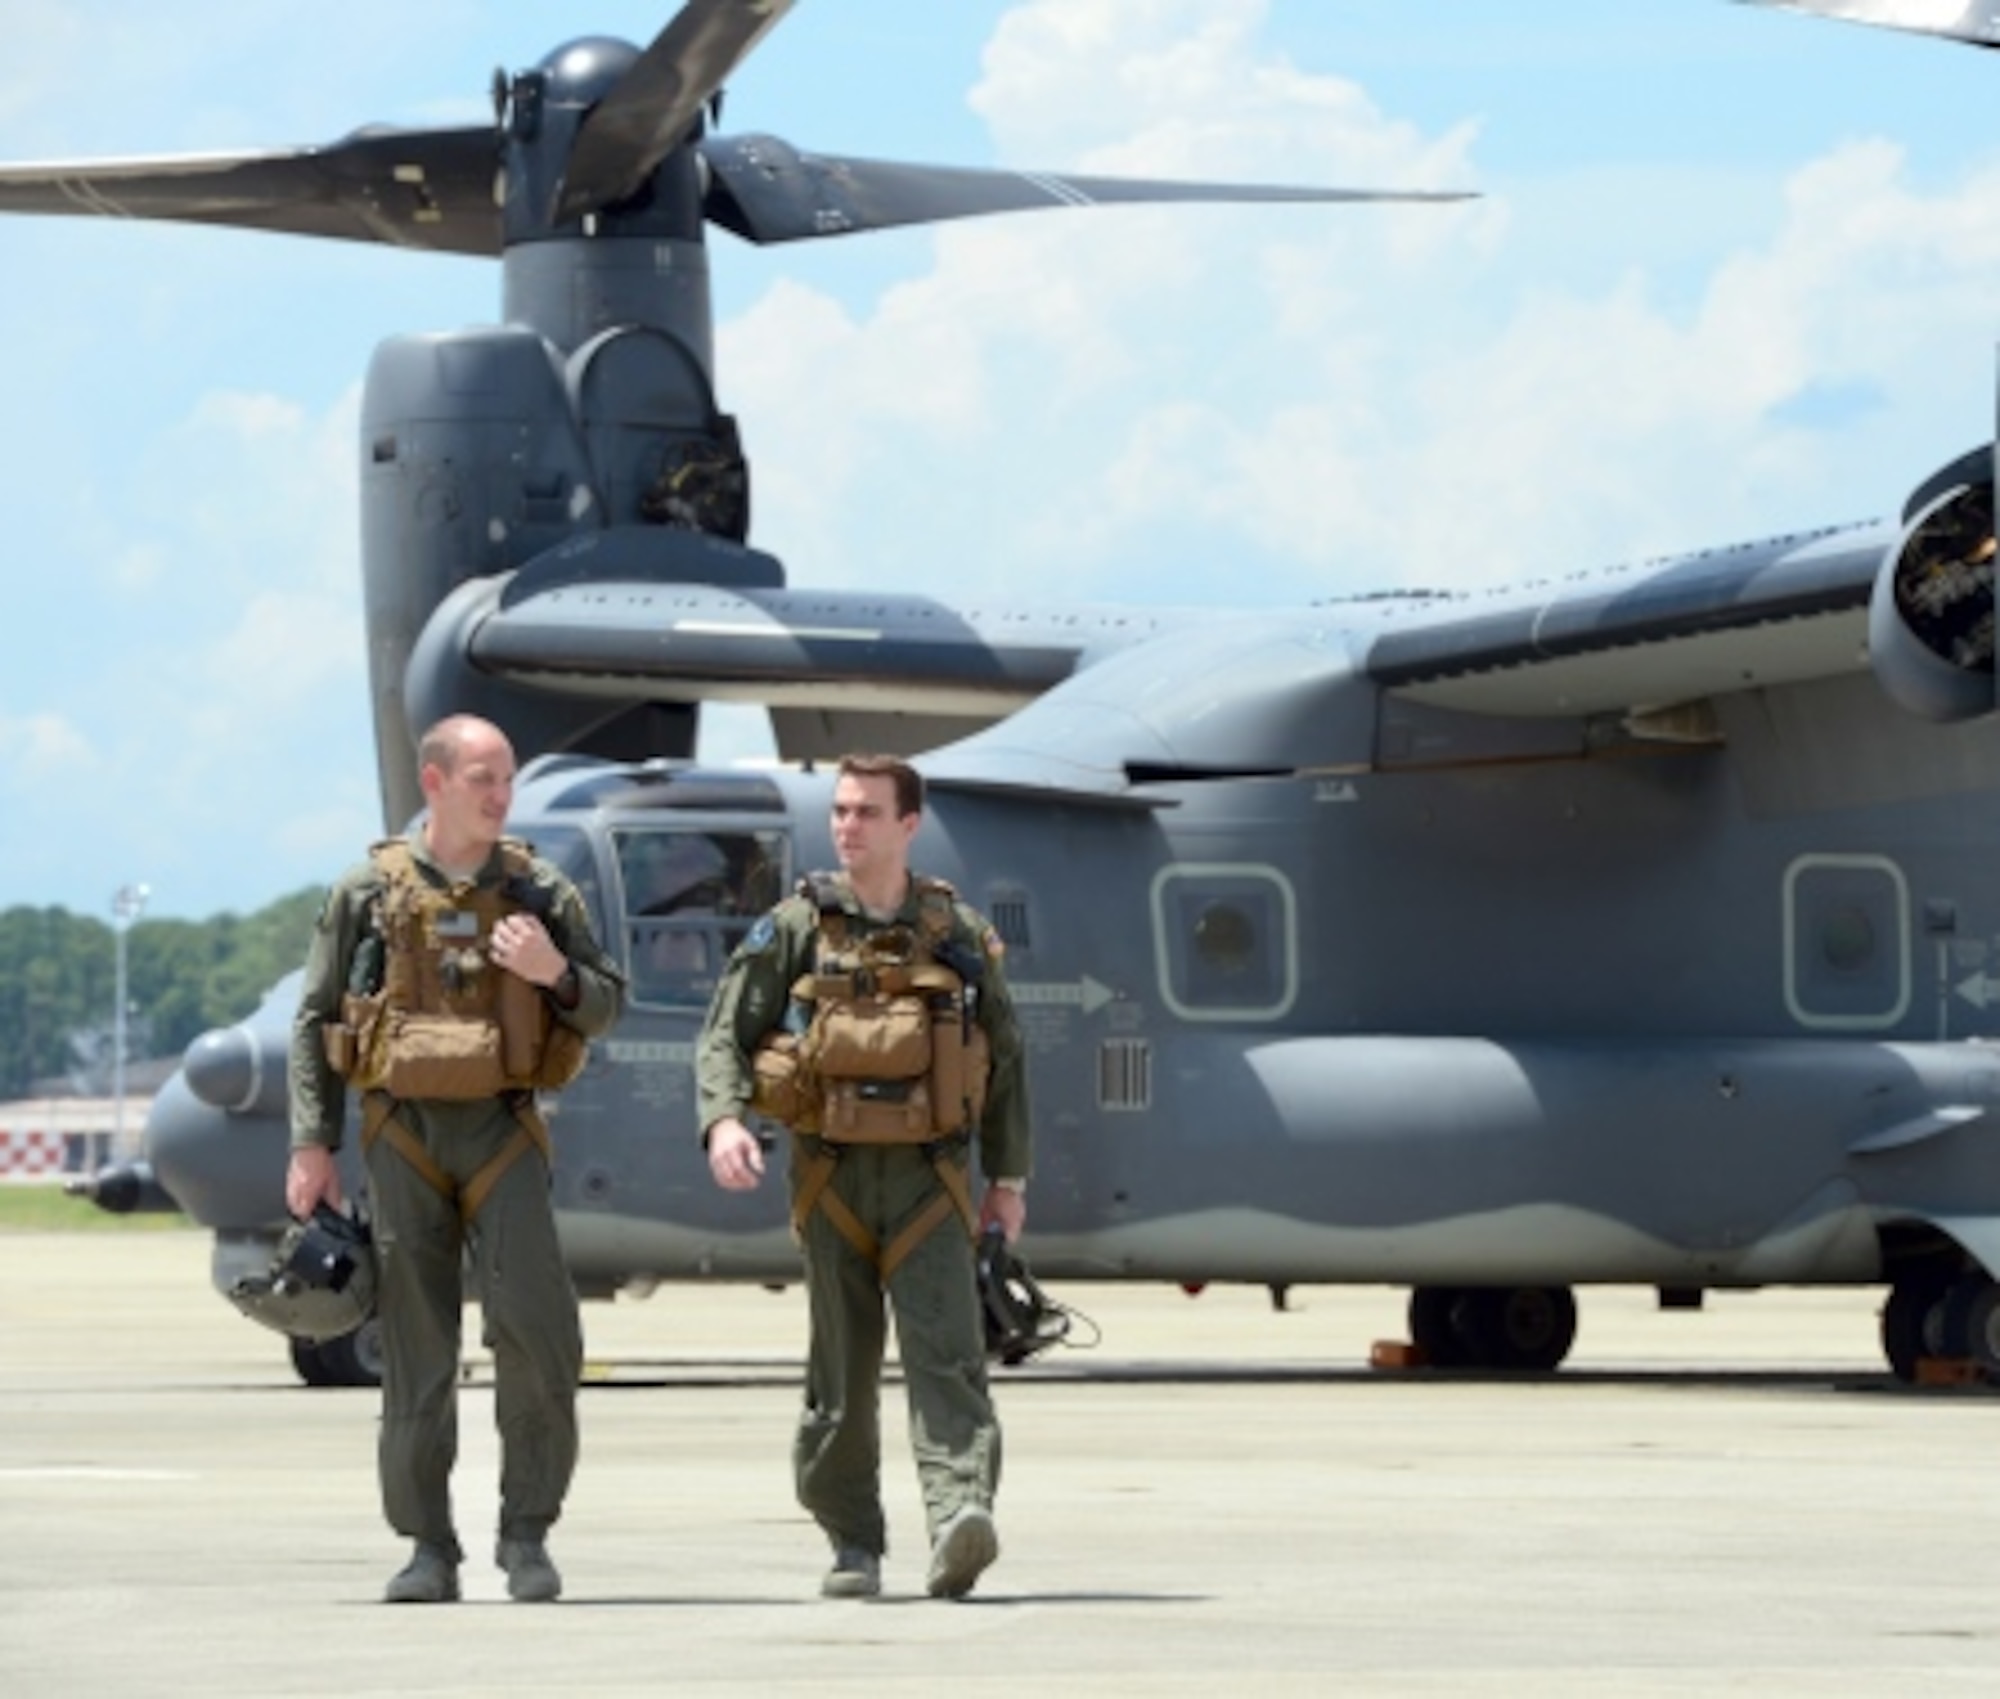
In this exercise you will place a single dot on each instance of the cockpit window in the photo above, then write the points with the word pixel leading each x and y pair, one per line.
pixel 569 851
pixel 689 897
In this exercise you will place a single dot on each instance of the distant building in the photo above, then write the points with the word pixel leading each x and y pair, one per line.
pixel 54 1132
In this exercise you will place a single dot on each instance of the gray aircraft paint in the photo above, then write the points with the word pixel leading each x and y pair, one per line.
pixel 1639 928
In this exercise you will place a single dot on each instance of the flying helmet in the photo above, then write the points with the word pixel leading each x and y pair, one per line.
pixel 1021 1320
pixel 321 1281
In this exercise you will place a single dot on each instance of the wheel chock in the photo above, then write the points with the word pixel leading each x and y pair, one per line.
pixel 1396 1354
pixel 1949 1371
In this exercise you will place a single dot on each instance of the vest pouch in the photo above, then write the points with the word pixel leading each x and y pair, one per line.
pixel 960 1061
pixel 872 1038
pixel 536 1049
pixel 782 1085
pixel 524 1020
pixel 350 1042
pixel 876 1112
pixel 442 1057
pixel 564 1052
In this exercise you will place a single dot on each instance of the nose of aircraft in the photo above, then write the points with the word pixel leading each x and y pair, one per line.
pixel 218 1136
pixel 228 1069
pixel 225 1170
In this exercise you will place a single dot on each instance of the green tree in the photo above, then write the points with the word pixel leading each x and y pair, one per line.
pixel 58 977
pixel 55 976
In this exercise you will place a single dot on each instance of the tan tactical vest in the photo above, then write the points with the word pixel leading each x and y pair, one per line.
pixel 446 1022
pixel 891 1053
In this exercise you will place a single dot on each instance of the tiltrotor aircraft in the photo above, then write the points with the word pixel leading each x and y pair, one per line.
pixel 1638 929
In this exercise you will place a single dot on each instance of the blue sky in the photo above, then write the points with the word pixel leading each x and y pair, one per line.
pixel 1734 273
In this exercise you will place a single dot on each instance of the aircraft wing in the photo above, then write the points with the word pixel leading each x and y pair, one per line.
pixel 410 188
pixel 1671 632
pixel 796 648
pixel 671 617
pixel 1270 694
pixel 1097 700
pixel 677 617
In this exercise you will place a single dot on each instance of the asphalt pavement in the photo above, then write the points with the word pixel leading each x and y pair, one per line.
pixel 1219 1498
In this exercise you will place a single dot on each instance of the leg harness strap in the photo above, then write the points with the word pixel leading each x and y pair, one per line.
pixel 379 1120
pixel 815 1191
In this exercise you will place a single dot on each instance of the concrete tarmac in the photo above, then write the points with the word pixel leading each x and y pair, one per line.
pixel 1218 1499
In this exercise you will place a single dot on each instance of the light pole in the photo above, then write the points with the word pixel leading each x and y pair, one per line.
pixel 128 902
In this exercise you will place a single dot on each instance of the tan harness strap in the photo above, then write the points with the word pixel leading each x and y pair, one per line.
pixel 956 1196
pixel 849 1225
pixel 814 1193
pixel 960 1189
pixel 531 1134
pixel 379 1120
pixel 934 1215
pixel 815 1171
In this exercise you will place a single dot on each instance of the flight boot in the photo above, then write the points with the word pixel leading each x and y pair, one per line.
pixel 856 1574
pixel 429 1578
pixel 966 1544
pixel 531 1578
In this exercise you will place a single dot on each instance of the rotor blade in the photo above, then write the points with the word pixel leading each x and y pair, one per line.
pixel 657 101
pixel 765 190
pixel 1974 21
pixel 410 188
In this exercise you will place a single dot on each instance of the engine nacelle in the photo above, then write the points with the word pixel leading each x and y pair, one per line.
pixel 485 449
pixel 1930 620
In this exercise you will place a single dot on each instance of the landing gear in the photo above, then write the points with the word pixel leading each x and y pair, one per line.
pixel 1434 1326
pixel 1493 1327
pixel 1913 1323
pixel 1936 1313
pixel 354 1359
pixel 1970 1324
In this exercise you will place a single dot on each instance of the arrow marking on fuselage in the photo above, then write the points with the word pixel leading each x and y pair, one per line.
pixel 649 1050
pixel 1087 994
pixel 1980 990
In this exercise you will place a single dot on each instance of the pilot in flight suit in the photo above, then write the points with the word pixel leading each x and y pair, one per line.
pixel 880 1209
pixel 451 976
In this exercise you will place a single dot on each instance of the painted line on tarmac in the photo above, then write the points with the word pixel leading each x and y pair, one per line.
pixel 58 1472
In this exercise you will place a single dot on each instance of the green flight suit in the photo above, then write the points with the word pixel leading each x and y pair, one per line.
pixel 528 1303
pixel 954 1431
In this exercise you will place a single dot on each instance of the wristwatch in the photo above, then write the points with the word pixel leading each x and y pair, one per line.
pixel 1009 1184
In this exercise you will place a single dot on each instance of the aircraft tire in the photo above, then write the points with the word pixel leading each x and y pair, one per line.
pixel 1971 1325
pixel 354 1359
pixel 1529 1328
pixel 1434 1329
pixel 1913 1324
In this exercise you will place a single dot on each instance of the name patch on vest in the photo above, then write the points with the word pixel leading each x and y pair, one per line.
pixel 457 923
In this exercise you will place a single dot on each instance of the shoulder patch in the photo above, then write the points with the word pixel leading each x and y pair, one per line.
pixel 989 941
pixel 758 939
